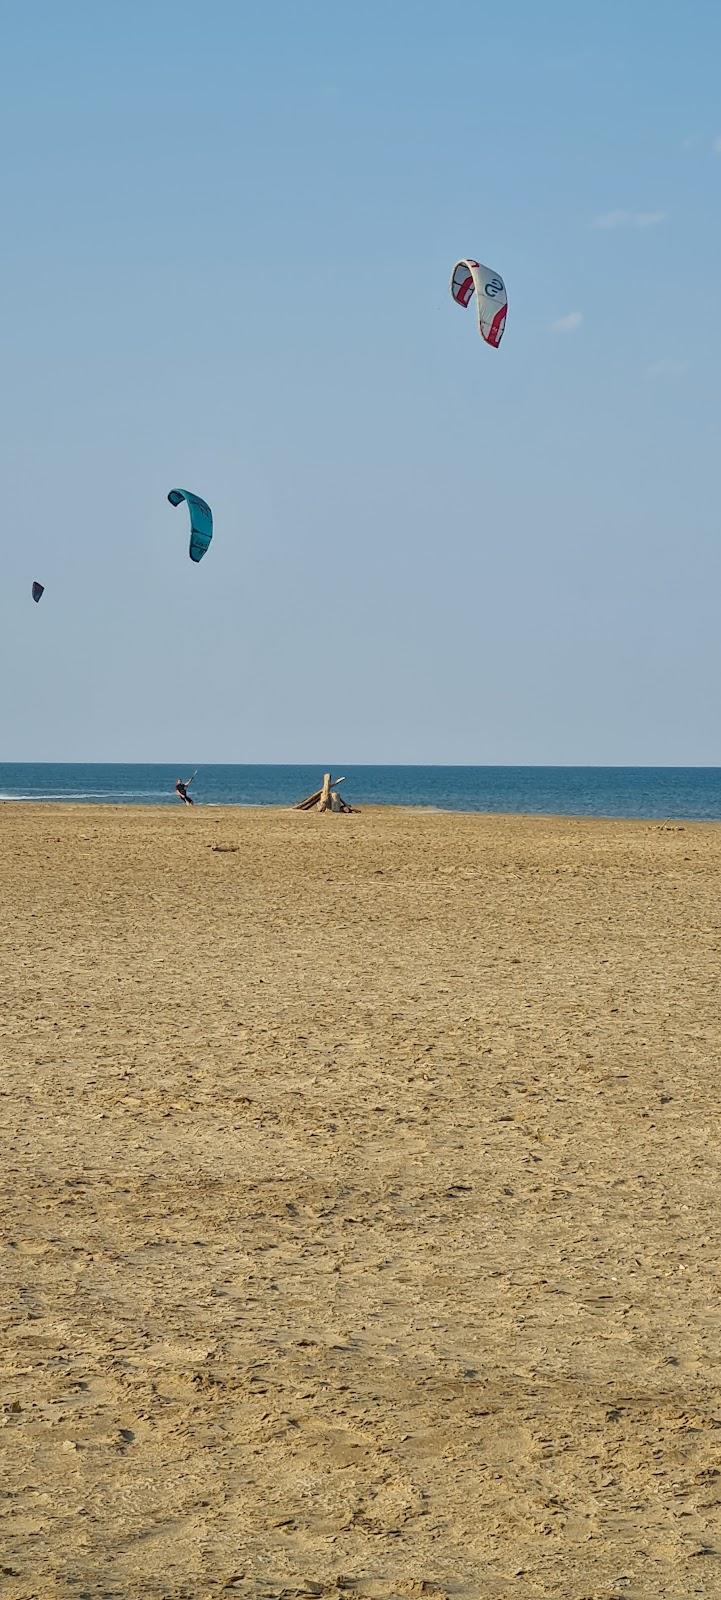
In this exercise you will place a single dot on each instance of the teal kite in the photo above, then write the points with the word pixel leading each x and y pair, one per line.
pixel 201 521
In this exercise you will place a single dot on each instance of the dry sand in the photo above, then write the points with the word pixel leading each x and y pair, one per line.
pixel 361 1227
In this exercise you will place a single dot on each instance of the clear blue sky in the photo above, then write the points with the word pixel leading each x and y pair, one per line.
pixel 228 231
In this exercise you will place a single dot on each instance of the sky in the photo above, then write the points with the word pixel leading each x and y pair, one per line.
pixel 228 236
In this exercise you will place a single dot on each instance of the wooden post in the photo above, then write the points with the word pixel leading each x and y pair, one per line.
pixel 324 801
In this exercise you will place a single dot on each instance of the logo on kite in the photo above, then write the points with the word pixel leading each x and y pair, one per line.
pixel 469 277
pixel 201 521
pixel 38 589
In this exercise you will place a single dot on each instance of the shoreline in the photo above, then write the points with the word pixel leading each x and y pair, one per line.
pixel 647 794
pixel 370 809
pixel 200 808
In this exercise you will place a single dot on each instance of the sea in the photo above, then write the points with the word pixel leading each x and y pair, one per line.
pixel 682 793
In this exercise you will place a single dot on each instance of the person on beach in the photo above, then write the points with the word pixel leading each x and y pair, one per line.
pixel 181 788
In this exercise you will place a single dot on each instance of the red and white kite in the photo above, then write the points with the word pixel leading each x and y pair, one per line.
pixel 490 293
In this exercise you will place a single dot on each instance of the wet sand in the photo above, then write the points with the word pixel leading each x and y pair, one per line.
pixel 362 1208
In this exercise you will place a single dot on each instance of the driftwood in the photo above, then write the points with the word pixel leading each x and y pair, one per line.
pixel 326 798
pixel 313 799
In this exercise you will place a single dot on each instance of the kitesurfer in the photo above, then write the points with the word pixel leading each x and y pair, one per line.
pixel 181 789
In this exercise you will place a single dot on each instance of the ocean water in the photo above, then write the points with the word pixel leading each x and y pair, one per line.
pixel 652 792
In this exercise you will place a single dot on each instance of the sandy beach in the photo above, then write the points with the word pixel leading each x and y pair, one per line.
pixel 361 1216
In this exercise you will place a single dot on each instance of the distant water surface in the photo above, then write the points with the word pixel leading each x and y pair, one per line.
pixel 693 793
